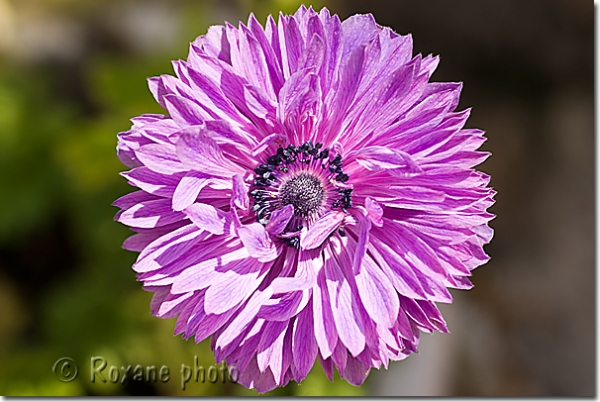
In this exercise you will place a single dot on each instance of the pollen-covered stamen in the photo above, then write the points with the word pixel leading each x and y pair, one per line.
pixel 309 178
pixel 305 192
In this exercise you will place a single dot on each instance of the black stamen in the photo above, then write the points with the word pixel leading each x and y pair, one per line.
pixel 305 191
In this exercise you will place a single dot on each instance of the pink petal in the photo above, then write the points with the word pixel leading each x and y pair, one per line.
pixel 377 158
pixel 267 141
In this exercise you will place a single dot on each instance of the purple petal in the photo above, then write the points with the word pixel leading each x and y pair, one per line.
pixel 199 152
pixel 342 98
pixel 279 219
pixel 325 331
pixel 243 318
pixel 233 287
pixel 355 372
pixel 327 365
pixel 132 199
pixel 208 218
pixel 312 58
pixel 139 241
pixel 188 189
pixel 184 111
pixel 240 193
pixel 340 357
pixel 167 308
pixel 161 158
pixel 270 347
pixel 364 226
pixel 150 214
pixel 309 263
pixel 151 182
pixel 167 248
pixel 204 274
pixel 304 345
pixel 269 54
pixel 358 30
pixel 201 325
pixel 300 104
pixel 257 241
pixel 374 211
pixel 377 294
pixel 158 90
pixel 285 307
pixel 318 232
pixel 252 377
pixel 378 157
pixel 293 45
pixel 398 271
pixel 344 314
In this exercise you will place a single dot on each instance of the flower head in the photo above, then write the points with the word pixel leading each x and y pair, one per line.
pixel 309 195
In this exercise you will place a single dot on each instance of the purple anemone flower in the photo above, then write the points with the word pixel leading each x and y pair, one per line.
pixel 309 195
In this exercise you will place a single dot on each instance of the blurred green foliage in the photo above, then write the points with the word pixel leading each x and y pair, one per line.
pixel 66 286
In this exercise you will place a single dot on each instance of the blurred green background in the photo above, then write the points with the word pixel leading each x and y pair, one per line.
pixel 72 74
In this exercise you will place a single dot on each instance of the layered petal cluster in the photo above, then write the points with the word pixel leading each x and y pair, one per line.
pixel 308 194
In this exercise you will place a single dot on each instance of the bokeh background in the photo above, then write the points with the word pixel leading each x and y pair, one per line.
pixel 72 72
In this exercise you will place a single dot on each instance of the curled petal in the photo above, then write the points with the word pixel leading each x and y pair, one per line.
pixel 198 151
pixel 208 218
pixel 378 157
pixel 240 193
pixel 317 233
pixel 279 219
pixel 257 241
pixel 188 189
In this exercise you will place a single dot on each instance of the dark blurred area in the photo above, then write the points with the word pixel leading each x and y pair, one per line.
pixel 72 72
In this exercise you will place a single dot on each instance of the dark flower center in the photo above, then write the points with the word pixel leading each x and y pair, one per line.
pixel 305 192
pixel 309 177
